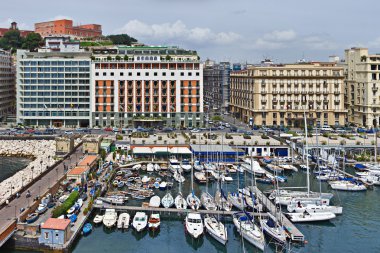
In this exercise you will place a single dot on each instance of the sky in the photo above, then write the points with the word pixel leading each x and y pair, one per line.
pixel 222 30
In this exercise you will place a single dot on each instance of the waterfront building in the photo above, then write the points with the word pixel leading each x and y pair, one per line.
pixel 216 82
pixel 146 86
pixel 55 232
pixel 278 94
pixel 91 144
pixel 53 88
pixel 362 96
pixel 7 84
pixel 65 27
pixel 60 44
pixel 64 145
pixel 23 33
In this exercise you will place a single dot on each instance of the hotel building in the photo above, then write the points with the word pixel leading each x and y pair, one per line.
pixel 362 95
pixel 53 87
pixel 278 94
pixel 216 80
pixel 147 87
pixel 7 84
pixel 64 27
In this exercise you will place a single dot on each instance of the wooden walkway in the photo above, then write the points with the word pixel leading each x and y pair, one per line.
pixel 292 230
pixel 166 210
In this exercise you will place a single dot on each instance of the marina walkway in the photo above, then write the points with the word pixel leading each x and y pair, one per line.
pixel 292 230
pixel 11 212
pixel 166 210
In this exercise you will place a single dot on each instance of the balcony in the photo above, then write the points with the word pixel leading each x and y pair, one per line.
pixel 282 92
pixel 325 92
pixel 311 92
pixel 304 92
pixel 274 100
pixel 374 89
pixel 263 92
pixel 318 92
pixel 337 101
pixel 336 92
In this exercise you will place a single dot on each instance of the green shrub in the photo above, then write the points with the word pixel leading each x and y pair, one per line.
pixel 268 143
pixel 324 142
pixel 263 136
pixel 119 137
pixel 62 209
pixel 246 136
pixel 160 138
pixel 325 134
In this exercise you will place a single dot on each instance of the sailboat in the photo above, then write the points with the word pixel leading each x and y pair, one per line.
pixel 221 201
pixel 310 217
pixel 167 201
pixel 192 200
pixel 208 201
pixel 180 201
pixel 313 208
pixel 273 229
pixel 216 229
pixel 247 228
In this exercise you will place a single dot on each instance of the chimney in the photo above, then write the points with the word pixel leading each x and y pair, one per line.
pixel 13 26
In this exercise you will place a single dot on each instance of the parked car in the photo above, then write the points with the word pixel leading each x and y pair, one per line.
pixel 108 129
pixel 68 132
pixel 195 130
pixel 167 129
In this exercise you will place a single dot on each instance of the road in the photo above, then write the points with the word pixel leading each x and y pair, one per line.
pixel 8 213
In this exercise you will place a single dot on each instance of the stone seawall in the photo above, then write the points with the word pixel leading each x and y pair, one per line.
pixel 42 151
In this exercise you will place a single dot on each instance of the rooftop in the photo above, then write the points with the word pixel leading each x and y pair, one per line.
pixel 211 148
pixel 56 224
pixel 78 170
pixel 88 160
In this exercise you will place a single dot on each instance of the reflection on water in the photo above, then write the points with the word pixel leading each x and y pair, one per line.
pixel 10 165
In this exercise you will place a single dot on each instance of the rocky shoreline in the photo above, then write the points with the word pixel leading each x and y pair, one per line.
pixel 41 151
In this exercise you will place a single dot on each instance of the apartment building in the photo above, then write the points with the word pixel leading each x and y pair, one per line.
pixel 65 27
pixel 53 88
pixel 278 94
pixel 147 87
pixel 7 84
pixel 362 96
pixel 216 80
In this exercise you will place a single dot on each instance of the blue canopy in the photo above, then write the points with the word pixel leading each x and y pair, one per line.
pixel 360 166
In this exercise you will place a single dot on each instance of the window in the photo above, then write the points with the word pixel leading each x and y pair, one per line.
pixel 189 73
pixel 182 74
pixel 164 73
pixel 146 73
pixel 129 73
pixel 121 73
pixel 172 73
pixel 155 73
pixel 46 235
pixel 96 73
pixel 104 73
pixel 138 73
pixel 197 73
pixel 112 73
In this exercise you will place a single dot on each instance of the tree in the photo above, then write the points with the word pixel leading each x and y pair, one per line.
pixel 32 41
pixel 121 39
pixel 11 40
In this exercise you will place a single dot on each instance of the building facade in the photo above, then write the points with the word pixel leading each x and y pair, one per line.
pixel 216 82
pixel 270 94
pixel 362 95
pixel 7 84
pixel 147 87
pixel 55 232
pixel 53 88
pixel 23 33
pixel 65 27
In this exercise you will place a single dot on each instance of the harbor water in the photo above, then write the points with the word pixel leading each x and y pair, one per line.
pixel 354 231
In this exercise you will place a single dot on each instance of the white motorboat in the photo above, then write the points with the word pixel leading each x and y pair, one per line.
pixel 150 168
pixel 167 201
pixel 274 168
pixel 178 177
pixel 200 177
pixel 123 221
pixel 154 221
pixel 193 201
pixel 194 225
pixel 222 202
pixel 227 179
pixel 310 217
pixel 42 208
pixel 252 166
pixel 313 208
pixel 155 201
pixel 273 229
pixel 344 185
pixel 136 167
pixel 157 167
pixel 370 179
pixel 145 179
pixel 98 219
pixel 110 218
pixel 174 165
pixel 208 201
pixel 247 228
pixel 288 167
pixel 163 185
pixel 186 167
pixel 140 221
pixel 216 229
pixel 180 202
pixel 198 166
pixel 114 200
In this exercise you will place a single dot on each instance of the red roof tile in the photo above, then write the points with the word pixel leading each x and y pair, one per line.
pixel 56 224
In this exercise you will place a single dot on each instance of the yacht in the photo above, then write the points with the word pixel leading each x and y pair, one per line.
pixel 140 221
pixel 194 224
pixel 247 228
pixel 110 218
pixel 216 229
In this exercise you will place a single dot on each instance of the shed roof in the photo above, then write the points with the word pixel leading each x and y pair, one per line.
pixel 180 150
pixel 56 224
pixel 212 148
pixel 142 150
pixel 78 170
pixel 160 150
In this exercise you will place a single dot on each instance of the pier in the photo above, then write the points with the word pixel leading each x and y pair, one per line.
pixel 291 229
pixel 165 210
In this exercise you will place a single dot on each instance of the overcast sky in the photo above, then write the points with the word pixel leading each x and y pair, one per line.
pixel 223 30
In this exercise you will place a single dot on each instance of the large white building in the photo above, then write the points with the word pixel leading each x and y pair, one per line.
pixel 7 84
pixel 362 83
pixel 53 88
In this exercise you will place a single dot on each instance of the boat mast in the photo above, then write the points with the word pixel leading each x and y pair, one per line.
pixel 307 155
pixel 318 153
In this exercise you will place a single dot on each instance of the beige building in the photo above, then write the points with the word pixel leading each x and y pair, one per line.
pixel 91 143
pixel 64 145
pixel 362 95
pixel 277 94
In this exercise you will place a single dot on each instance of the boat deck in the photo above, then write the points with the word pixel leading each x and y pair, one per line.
pixel 144 208
pixel 291 229
pixel 352 176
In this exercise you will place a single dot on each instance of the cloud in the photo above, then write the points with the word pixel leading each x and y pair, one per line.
pixel 275 40
pixel 177 32
pixel 319 42
pixel 58 17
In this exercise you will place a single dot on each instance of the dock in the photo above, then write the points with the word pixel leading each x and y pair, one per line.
pixel 124 208
pixel 291 229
